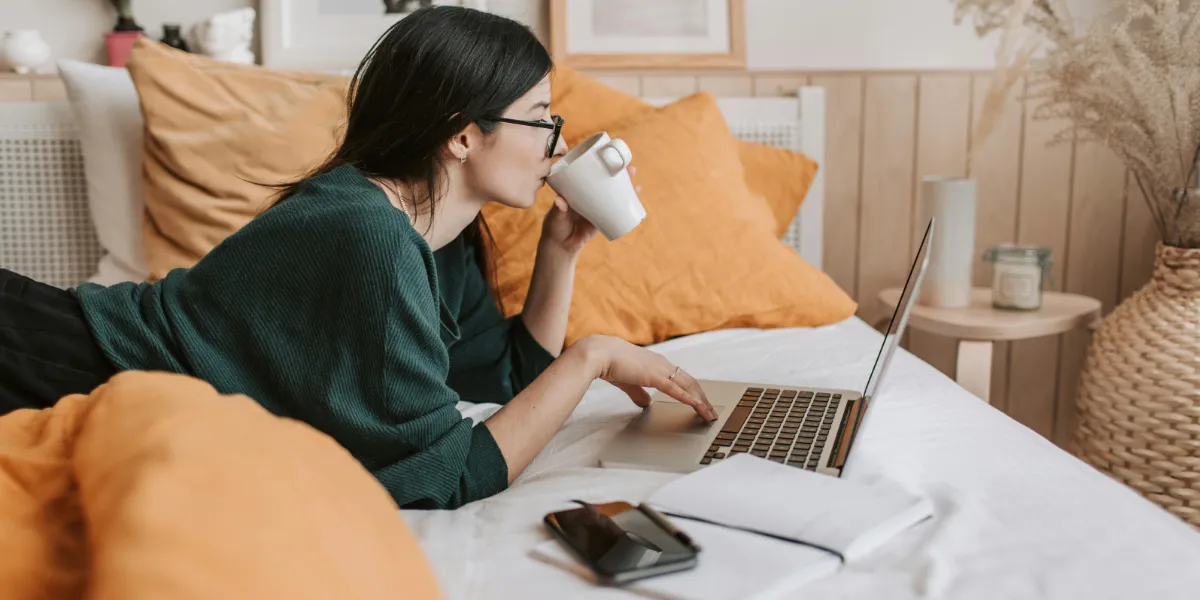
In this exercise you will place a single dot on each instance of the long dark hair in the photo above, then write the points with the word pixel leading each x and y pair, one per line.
pixel 427 78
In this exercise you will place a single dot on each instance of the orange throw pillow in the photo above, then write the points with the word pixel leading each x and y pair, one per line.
pixel 215 130
pixel 156 486
pixel 782 177
pixel 703 259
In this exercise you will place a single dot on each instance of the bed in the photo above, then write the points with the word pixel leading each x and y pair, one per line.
pixel 1016 517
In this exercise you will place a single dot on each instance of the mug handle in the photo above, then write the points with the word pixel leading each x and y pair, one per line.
pixel 616 156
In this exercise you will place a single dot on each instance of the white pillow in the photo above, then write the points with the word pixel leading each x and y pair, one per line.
pixel 110 123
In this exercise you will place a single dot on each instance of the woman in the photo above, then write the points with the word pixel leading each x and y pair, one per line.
pixel 359 302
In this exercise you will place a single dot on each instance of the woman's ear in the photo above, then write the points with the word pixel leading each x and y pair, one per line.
pixel 458 146
pixel 464 142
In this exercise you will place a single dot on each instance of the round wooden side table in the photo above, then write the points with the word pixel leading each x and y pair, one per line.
pixel 978 326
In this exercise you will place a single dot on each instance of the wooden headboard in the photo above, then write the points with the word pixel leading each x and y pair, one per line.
pixel 796 124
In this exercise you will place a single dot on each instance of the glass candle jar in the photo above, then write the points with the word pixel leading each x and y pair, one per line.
pixel 1019 273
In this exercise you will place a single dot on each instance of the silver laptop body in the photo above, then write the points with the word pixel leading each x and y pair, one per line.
pixel 804 427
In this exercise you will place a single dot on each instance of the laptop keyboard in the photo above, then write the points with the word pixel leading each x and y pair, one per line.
pixel 788 426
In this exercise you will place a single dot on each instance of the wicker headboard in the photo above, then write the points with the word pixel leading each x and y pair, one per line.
pixel 46 229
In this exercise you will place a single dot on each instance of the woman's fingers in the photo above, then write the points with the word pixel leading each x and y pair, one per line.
pixel 637 393
pixel 692 386
pixel 686 389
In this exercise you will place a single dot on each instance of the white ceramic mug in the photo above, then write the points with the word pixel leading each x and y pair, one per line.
pixel 593 179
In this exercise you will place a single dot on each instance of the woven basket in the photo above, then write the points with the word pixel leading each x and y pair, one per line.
pixel 1139 393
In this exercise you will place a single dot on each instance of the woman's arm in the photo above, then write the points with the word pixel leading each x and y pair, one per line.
pixel 524 426
pixel 548 303
pixel 564 234
pixel 549 300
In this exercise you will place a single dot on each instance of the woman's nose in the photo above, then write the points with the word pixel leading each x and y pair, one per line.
pixel 560 149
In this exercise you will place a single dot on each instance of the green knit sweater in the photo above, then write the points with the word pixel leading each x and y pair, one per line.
pixel 330 308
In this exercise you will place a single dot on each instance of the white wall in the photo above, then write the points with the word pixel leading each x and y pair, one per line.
pixel 870 35
pixel 810 35
pixel 75 28
pixel 782 35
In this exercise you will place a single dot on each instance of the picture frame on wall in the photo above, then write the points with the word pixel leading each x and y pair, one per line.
pixel 332 35
pixel 637 34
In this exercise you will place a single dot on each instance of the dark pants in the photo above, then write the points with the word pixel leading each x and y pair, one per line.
pixel 46 348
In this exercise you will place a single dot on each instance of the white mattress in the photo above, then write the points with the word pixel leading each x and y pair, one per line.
pixel 1016 516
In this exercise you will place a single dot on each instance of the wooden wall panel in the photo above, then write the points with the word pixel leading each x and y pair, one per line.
pixel 889 138
pixel 727 85
pixel 630 84
pixel 843 175
pixel 49 90
pixel 1043 214
pixel 778 85
pixel 997 167
pixel 670 86
pixel 943 136
pixel 16 90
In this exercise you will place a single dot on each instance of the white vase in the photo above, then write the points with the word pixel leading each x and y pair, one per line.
pixel 25 50
pixel 951 200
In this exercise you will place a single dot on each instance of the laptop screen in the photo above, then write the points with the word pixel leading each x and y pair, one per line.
pixel 891 339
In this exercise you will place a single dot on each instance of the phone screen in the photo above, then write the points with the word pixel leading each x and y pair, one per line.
pixel 626 541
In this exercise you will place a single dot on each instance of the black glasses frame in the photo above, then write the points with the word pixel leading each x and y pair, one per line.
pixel 557 124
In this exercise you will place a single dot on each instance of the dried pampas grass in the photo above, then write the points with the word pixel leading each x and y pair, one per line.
pixel 1050 19
pixel 1012 60
pixel 1133 86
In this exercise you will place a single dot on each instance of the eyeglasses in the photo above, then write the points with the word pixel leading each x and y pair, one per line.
pixel 551 143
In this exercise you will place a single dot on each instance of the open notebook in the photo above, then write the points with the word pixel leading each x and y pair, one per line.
pixel 765 528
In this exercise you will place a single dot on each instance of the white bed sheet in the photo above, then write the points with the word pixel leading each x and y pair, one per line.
pixel 1016 516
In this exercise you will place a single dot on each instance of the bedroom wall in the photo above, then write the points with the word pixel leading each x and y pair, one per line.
pixel 781 34
pixel 899 109
pixel 75 28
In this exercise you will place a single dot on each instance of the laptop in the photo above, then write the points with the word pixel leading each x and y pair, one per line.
pixel 804 427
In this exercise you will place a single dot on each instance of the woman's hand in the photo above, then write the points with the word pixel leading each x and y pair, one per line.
pixel 524 425
pixel 633 368
pixel 566 230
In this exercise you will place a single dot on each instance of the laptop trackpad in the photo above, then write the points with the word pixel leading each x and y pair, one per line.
pixel 673 418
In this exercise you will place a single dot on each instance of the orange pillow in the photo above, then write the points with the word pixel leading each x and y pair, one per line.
pixel 703 259
pixel 782 177
pixel 215 130
pixel 192 494
pixel 156 486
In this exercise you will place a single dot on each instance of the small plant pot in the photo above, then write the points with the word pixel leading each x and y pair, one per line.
pixel 119 44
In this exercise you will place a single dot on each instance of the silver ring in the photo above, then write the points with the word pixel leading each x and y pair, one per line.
pixel 672 377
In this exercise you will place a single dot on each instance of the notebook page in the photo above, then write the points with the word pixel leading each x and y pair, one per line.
pixel 754 493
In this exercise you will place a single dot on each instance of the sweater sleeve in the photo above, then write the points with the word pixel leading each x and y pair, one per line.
pixel 495 358
pixel 434 458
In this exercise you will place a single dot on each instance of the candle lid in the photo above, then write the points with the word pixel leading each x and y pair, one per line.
pixel 1025 252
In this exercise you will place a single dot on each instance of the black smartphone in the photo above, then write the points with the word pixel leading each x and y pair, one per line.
pixel 620 542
